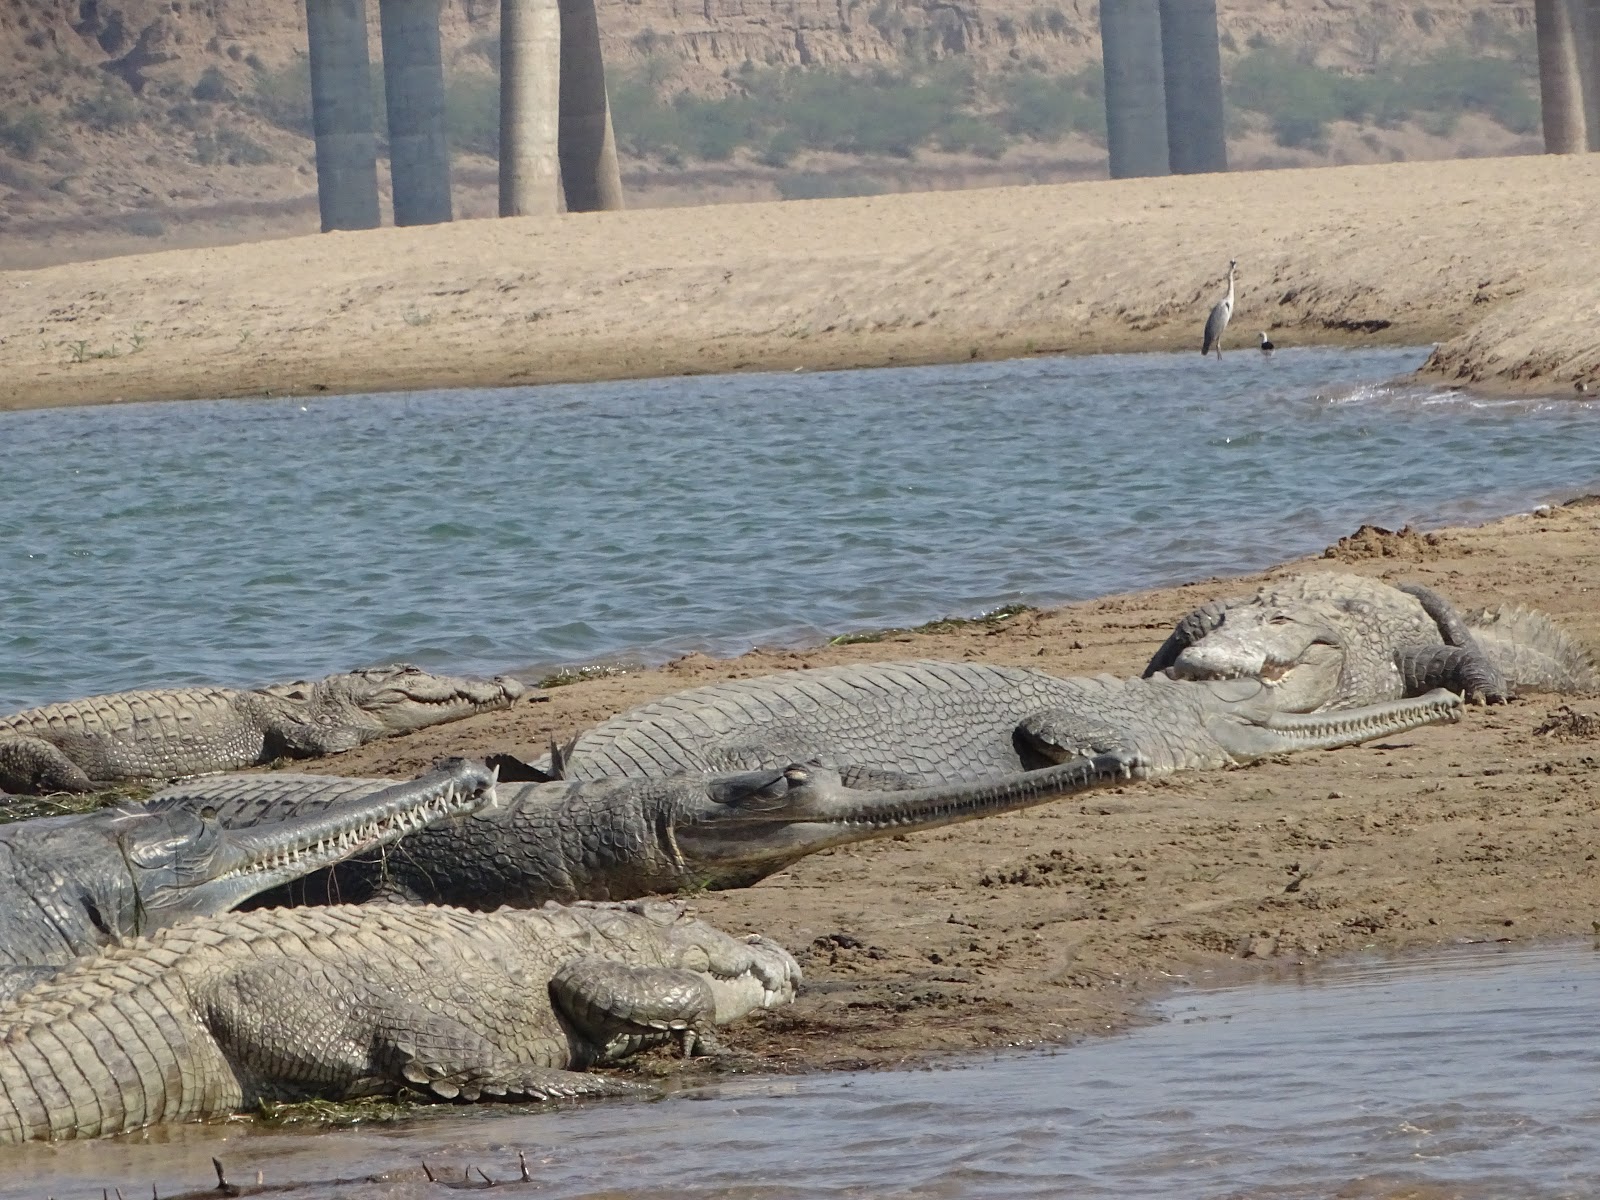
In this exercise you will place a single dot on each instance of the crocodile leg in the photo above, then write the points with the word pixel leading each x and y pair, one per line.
pixel 1463 669
pixel 30 764
pixel 1186 633
pixel 1059 735
pixel 624 1009
pixel 315 1030
pixel 1471 673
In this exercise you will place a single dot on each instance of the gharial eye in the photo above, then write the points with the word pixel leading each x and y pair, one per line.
pixel 795 773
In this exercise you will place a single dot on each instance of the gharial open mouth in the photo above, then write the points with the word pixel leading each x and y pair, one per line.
pixel 307 855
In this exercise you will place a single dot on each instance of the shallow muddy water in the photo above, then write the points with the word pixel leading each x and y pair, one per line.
pixel 243 541
pixel 1468 1073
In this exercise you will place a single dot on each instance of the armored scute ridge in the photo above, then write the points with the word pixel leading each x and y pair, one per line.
pixel 221 1013
pixel 914 723
pixel 79 745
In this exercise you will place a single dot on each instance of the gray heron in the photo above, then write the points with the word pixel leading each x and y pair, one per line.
pixel 1266 345
pixel 1218 320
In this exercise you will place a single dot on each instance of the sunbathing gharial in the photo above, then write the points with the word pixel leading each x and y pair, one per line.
pixel 81 745
pixel 623 838
pixel 220 1013
pixel 913 723
pixel 923 744
pixel 1333 639
pixel 72 885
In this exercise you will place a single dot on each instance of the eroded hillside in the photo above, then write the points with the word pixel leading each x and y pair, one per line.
pixel 126 124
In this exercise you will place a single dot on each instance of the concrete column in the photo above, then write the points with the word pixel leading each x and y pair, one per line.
pixel 413 85
pixel 589 171
pixel 1136 105
pixel 341 114
pixel 1192 64
pixel 1587 13
pixel 1561 99
pixel 530 99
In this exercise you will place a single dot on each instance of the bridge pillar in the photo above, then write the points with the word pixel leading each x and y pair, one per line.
pixel 530 98
pixel 1192 66
pixel 413 86
pixel 1561 71
pixel 1136 113
pixel 341 114
pixel 589 170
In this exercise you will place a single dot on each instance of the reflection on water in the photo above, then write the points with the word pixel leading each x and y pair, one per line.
pixel 1470 1074
pixel 236 542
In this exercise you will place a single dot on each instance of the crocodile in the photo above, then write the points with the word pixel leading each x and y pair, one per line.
pixel 84 745
pixel 222 1013
pixel 920 722
pixel 72 885
pixel 1331 640
pixel 619 839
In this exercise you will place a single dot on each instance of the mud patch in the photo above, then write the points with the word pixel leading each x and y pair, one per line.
pixel 1374 541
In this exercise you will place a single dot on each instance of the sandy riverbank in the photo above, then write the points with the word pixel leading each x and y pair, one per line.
pixel 1057 921
pixel 1492 257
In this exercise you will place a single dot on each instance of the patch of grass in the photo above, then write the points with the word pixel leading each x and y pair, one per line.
pixel 25 134
pixel 60 804
pixel 338 1114
pixel 472 112
pixel 1299 99
pixel 282 95
pixel 112 107
pixel 992 619
pixel 581 674
pixel 230 146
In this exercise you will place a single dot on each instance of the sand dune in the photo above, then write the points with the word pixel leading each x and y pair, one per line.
pixel 1494 258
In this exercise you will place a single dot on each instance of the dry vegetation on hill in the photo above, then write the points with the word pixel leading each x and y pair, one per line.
pixel 139 124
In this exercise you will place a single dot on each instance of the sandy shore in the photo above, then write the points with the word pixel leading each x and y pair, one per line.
pixel 1492 257
pixel 1062 920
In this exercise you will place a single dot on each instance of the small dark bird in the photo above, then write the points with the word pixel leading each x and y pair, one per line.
pixel 1266 345
pixel 1218 320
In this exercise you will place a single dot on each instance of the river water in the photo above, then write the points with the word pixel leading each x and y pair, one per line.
pixel 244 541
pixel 1468 1074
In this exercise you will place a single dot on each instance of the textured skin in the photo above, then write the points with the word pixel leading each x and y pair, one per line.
pixel 1384 642
pixel 1531 651
pixel 618 839
pixel 163 734
pixel 70 885
pixel 939 721
pixel 221 1013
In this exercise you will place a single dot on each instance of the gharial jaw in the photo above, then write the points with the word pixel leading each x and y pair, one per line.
pixel 185 862
pixel 758 822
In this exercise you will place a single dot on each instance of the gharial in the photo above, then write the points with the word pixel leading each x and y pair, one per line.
pixel 919 722
pixel 71 885
pixel 82 745
pixel 221 1013
pixel 619 839
pixel 1334 639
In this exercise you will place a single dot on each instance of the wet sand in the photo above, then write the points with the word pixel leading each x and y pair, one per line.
pixel 1063 920
pixel 1491 257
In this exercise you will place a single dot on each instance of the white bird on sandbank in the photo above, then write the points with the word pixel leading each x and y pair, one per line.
pixel 1266 344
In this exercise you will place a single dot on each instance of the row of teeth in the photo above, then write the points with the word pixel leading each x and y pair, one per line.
pixel 408 821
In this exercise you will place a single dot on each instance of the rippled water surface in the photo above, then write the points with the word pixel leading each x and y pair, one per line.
pixel 238 542
pixel 1468 1074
